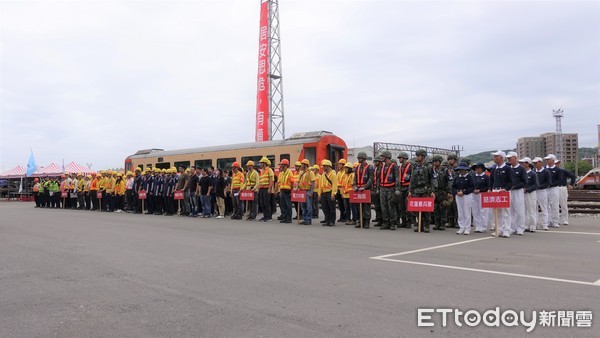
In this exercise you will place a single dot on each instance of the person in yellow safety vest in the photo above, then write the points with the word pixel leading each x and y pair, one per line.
pixel 266 185
pixel 251 183
pixel 102 189
pixel 306 182
pixel 341 173
pixel 237 182
pixel 328 188
pixel 120 192
pixel 36 192
pixel 315 209
pixel 346 187
pixel 86 191
pixel 109 185
pixel 284 188
pixel 295 176
pixel 80 193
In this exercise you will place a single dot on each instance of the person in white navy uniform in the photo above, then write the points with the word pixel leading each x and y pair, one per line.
pixel 563 193
pixel 482 184
pixel 501 179
pixel 543 181
pixel 553 191
pixel 463 186
pixel 517 195
pixel 530 195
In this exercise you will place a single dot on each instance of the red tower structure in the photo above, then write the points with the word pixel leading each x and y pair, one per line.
pixel 270 123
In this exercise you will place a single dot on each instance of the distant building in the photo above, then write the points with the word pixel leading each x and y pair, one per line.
pixel 353 152
pixel 540 146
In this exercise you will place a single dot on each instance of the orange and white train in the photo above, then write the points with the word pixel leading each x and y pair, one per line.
pixel 314 146
pixel 591 180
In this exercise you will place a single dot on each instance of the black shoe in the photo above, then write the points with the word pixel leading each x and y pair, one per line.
pixel 323 222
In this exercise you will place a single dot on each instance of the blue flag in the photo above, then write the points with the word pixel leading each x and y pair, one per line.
pixel 31 165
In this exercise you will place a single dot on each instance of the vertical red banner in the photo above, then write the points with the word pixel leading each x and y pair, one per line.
pixel 262 96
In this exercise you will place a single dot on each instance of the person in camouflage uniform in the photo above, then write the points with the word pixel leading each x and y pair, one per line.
pixel 451 210
pixel 363 180
pixel 442 187
pixel 388 185
pixel 404 173
pixel 420 184
pixel 375 196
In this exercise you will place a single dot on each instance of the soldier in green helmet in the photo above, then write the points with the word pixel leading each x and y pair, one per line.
pixel 451 210
pixel 404 175
pixel 420 184
pixel 388 184
pixel 442 188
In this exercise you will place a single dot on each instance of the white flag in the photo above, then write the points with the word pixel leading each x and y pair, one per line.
pixel 21 186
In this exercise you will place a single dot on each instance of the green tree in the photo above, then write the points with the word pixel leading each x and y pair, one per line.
pixel 583 169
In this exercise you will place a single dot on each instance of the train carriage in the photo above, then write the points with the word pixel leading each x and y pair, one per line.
pixel 314 146
pixel 591 180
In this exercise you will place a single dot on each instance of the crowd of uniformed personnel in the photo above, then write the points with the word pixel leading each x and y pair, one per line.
pixel 391 182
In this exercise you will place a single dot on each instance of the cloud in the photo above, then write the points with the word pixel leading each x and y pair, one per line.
pixel 94 81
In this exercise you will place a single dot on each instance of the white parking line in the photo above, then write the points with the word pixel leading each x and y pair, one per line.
pixel 597 283
pixel 430 248
pixel 568 232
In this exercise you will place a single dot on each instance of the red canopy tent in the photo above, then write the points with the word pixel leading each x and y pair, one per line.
pixel 50 170
pixel 78 168
pixel 15 172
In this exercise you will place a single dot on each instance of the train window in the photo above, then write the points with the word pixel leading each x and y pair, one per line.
pixel 186 164
pixel 204 164
pixel 310 153
pixel 160 159
pixel 284 157
pixel 272 159
pixel 127 166
pixel 254 159
pixel 148 165
pixel 164 165
pixel 225 163
pixel 141 166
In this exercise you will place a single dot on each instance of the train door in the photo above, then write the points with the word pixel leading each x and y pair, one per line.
pixel 335 153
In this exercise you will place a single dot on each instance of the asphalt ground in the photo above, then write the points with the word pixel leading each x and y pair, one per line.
pixel 89 274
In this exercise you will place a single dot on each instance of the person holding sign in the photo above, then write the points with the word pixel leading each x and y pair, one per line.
pixel 306 181
pixel 363 180
pixel 462 187
pixel 251 183
pixel 501 179
pixel 420 184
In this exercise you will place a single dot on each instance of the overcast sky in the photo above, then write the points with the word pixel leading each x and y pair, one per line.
pixel 95 81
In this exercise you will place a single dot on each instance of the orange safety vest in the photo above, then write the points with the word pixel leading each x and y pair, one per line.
pixel 266 175
pixel 383 182
pixel 237 180
pixel 361 170
pixel 94 184
pixel 403 174
pixel 285 182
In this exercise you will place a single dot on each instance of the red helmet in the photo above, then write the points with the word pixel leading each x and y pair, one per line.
pixel 236 164
pixel 284 162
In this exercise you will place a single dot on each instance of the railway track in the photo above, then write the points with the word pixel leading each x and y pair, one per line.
pixel 584 202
